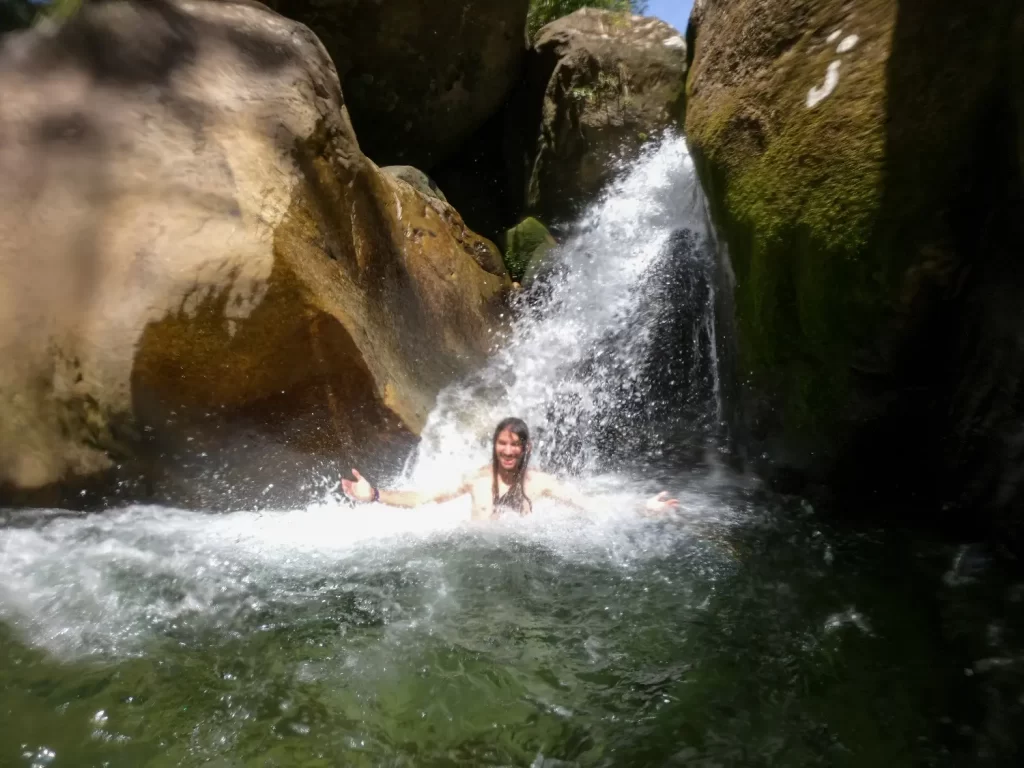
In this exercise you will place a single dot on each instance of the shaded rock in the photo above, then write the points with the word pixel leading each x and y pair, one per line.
pixel 863 168
pixel 525 247
pixel 485 180
pixel 208 289
pixel 417 179
pixel 419 77
pixel 606 83
pixel 16 14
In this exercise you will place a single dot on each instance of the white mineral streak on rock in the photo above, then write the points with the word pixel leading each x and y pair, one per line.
pixel 675 42
pixel 818 94
pixel 848 44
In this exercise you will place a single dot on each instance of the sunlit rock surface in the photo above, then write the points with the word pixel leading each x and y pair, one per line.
pixel 604 83
pixel 417 179
pixel 200 271
pixel 419 76
pixel 863 168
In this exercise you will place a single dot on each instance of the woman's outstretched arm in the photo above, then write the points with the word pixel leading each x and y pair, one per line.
pixel 550 486
pixel 360 489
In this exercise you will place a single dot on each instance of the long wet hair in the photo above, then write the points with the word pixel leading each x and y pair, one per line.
pixel 515 496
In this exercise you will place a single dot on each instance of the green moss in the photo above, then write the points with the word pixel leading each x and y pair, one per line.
pixel 525 245
pixel 827 210
pixel 798 208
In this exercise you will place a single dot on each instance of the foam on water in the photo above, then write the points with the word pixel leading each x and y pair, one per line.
pixel 105 582
pixel 574 369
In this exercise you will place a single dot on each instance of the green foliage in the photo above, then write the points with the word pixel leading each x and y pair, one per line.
pixel 545 11
pixel 19 14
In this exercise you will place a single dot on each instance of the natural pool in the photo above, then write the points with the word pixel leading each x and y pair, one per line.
pixel 744 633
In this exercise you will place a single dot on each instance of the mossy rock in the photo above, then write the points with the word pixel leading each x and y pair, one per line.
pixel 606 83
pixel 844 149
pixel 525 246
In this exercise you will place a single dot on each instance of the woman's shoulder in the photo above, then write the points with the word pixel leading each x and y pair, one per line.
pixel 537 478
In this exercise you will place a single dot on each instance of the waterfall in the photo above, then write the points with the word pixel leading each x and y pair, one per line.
pixel 612 356
pixel 611 360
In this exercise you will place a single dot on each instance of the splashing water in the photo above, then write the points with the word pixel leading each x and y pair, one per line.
pixel 597 334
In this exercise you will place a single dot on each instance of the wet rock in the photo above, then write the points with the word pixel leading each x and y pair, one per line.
pixel 525 247
pixel 417 179
pixel 606 83
pixel 207 288
pixel 419 77
pixel 862 165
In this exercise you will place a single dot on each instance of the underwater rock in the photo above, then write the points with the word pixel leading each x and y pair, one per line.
pixel 862 163
pixel 201 271
pixel 605 83
pixel 419 76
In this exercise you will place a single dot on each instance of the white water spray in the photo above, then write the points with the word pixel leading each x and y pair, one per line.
pixel 577 367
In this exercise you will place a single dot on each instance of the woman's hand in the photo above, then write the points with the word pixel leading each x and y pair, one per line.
pixel 359 489
pixel 660 504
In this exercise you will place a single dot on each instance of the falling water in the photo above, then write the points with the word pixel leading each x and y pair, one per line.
pixel 613 341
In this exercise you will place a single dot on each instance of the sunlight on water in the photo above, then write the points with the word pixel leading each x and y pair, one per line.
pixel 100 583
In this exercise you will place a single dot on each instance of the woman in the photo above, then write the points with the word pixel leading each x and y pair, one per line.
pixel 507 485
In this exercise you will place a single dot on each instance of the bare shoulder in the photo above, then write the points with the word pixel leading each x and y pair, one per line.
pixel 477 476
pixel 539 481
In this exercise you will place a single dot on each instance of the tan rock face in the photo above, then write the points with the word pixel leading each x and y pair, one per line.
pixel 191 243
pixel 608 82
pixel 419 75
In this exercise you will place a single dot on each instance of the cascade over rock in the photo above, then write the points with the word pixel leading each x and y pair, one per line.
pixel 604 82
pixel 863 167
pixel 200 268
pixel 419 76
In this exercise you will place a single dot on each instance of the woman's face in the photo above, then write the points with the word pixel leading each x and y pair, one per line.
pixel 509 449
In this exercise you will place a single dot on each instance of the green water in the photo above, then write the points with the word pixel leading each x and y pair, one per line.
pixel 153 637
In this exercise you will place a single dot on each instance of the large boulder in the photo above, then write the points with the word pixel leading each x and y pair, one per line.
pixel 419 76
pixel 861 165
pixel 206 285
pixel 605 84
